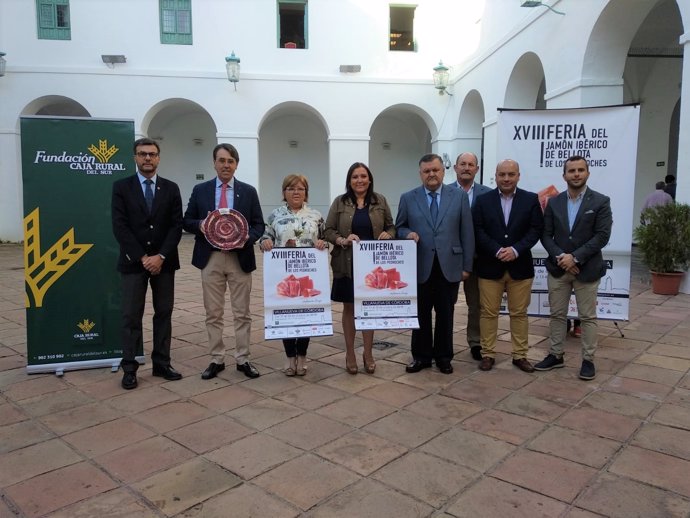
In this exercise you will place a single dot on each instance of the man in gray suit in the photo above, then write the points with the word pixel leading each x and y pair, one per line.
pixel 466 168
pixel 577 225
pixel 439 220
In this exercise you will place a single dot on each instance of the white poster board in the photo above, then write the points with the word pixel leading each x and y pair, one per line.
pixel 297 294
pixel 541 140
pixel 385 282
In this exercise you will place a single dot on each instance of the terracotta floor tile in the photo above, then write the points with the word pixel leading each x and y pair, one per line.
pixel 10 414
pixel 429 479
pixel 170 416
pixel 22 434
pixel 59 488
pixel 470 449
pixel 562 392
pixel 186 485
pixel 638 388
pixel 371 498
pixel 665 362
pixel 650 373
pixel 143 458
pixel 35 386
pixel 209 434
pixel 34 460
pixel 664 439
pixel 476 392
pixel 361 452
pixel 533 407
pixel 620 497
pixel 393 393
pixel 352 384
pixel 81 417
pixel 246 501
pixel 659 470
pixel 308 431
pixel 311 397
pixel 106 437
pixel 506 427
pixel 142 398
pixel 492 498
pixel 356 411
pixel 226 398
pixel 306 480
pixel 264 413
pixel 672 415
pixel 253 455
pixel 55 402
pixel 620 404
pixel 443 408
pixel 577 446
pixel 600 422
pixel 545 474
pixel 407 428
pixel 272 383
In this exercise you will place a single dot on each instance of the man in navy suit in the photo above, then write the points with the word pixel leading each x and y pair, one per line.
pixel 466 168
pixel 577 225
pixel 508 222
pixel 222 269
pixel 439 219
pixel 147 224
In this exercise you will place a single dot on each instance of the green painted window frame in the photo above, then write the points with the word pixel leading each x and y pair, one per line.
pixel 412 39
pixel 305 26
pixel 53 20
pixel 175 22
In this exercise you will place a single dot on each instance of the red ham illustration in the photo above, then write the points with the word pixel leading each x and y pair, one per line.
pixel 292 286
pixel 380 279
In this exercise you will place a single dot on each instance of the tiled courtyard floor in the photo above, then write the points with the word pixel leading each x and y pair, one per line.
pixel 472 444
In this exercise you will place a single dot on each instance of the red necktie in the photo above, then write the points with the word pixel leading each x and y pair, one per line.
pixel 223 202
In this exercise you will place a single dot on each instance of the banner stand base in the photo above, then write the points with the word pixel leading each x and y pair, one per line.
pixel 60 368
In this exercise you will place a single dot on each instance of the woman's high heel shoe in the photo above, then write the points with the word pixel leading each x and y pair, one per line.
pixel 351 368
pixel 369 367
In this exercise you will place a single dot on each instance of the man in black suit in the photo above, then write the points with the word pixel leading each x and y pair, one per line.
pixel 466 168
pixel 577 225
pixel 221 270
pixel 508 222
pixel 147 223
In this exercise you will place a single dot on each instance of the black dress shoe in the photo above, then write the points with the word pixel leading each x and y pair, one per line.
pixel 476 352
pixel 166 372
pixel 445 367
pixel 417 365
pixel 212 370
pixel 129 380
pixel 248 369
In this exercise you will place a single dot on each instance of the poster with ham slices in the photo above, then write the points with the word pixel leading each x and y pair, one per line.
pixel 297 293
pixel 385 278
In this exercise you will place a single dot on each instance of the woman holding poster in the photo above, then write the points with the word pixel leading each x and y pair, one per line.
pixel 294 225
pixel 358 214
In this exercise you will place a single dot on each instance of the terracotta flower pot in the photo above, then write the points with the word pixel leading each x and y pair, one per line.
pixel 666 283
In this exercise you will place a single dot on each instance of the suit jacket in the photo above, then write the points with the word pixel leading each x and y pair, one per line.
pixel 451 239
pixel 203 200
pixel 479 189
pixel 524 228
pixel 591 232
pixel 140 233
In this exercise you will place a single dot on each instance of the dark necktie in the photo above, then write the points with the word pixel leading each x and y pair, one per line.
pixel 148 193
pixel 433 208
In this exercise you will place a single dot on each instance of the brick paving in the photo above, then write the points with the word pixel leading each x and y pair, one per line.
pixel 497 444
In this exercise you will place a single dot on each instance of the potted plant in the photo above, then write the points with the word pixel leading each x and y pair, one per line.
pixel 663 238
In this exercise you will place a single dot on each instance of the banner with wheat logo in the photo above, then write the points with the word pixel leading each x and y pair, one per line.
pixel 72 289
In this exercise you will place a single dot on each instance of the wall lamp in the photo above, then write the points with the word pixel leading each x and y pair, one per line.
pixel 537 3
pixel 441 78
pixel 2 64
pixel 111 59
pixel 232 67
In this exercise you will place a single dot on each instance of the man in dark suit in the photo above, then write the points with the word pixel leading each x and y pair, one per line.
pixel 147 223
pixel 508 222
pixel 466 168
pixel 577 225
pixel 439 220
pixel 225 269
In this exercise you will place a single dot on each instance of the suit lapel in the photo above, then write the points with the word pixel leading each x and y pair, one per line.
pixel 446 201
pixel 421 197
pixel 138 194
pixel 584 206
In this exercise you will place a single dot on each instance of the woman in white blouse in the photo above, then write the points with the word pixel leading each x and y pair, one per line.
pixel 294 225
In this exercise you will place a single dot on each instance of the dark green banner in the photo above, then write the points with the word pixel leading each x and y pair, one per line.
pixel 72 289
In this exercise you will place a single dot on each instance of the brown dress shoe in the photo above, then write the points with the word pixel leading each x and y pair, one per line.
pixel 486 364
pixel 523 364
